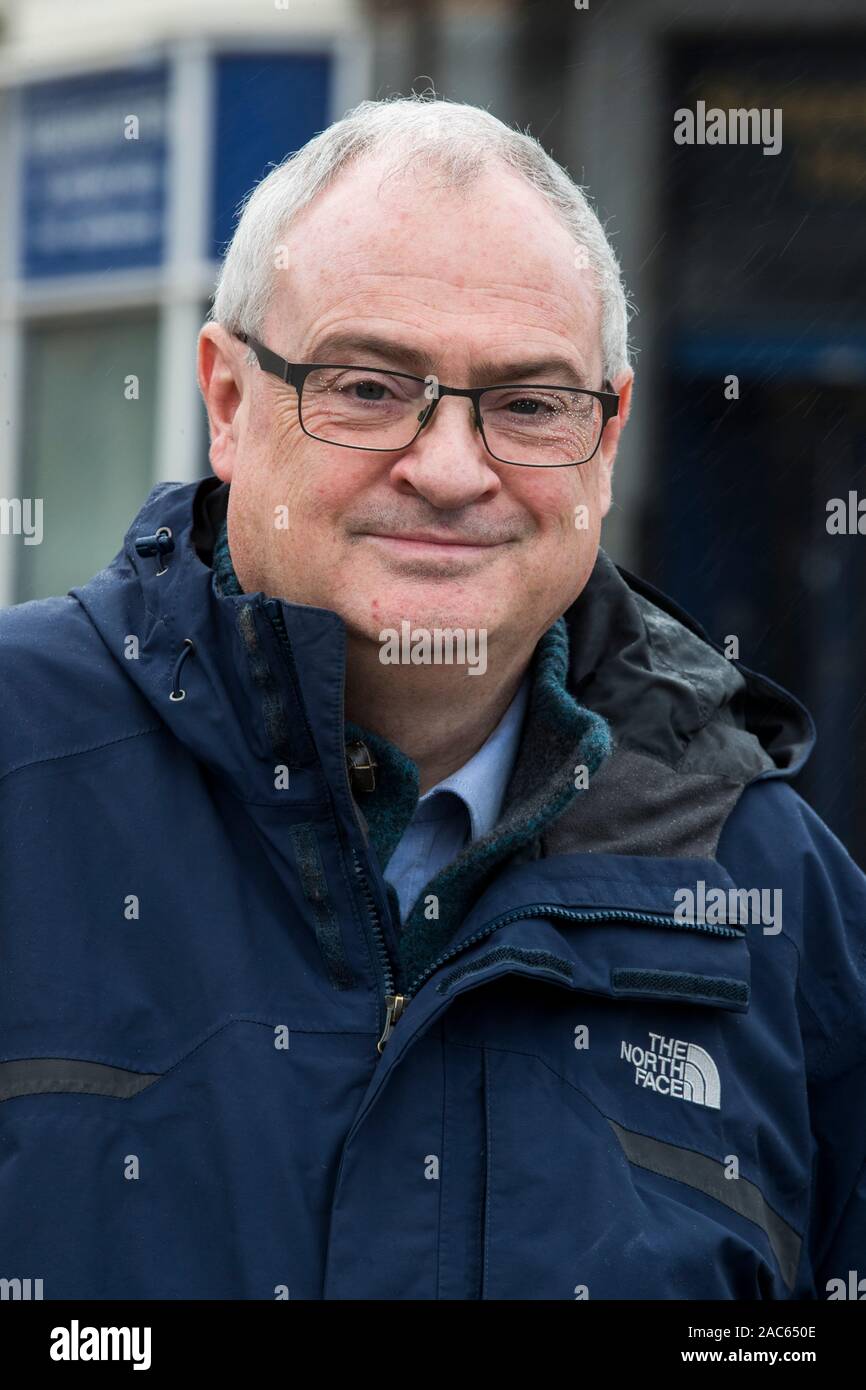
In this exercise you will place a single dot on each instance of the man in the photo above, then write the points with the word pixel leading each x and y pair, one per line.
pixel 400 901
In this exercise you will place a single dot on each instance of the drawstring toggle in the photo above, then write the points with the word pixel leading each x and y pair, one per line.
pixel 161 543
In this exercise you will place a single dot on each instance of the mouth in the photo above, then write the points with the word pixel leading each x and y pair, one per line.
pixel 419 544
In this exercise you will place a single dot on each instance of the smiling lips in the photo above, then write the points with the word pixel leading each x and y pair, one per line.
pixel 420 541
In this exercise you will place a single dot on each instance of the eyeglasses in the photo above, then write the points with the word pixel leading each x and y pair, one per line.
pixel 369 408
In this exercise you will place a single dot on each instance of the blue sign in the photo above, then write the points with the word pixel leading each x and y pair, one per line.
pixel 268 105
pixel 93 175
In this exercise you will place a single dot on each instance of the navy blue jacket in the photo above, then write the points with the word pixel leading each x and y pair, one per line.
pixel 226 1069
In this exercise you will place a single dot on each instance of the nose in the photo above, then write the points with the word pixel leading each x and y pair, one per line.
pixel 448 463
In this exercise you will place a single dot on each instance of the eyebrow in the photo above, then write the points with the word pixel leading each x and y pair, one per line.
pixel 486 372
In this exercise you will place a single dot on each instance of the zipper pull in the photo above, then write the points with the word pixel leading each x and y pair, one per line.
pixel 361 766
pixel 394 1005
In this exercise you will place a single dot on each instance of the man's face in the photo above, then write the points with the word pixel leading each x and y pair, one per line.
pixel 438 533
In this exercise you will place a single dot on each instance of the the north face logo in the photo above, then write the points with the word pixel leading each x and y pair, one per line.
pixel 675 1068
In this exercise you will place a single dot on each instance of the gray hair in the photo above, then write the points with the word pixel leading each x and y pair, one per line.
pixel 418 131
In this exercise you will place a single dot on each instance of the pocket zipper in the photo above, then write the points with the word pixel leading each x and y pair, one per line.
pixel 396 1004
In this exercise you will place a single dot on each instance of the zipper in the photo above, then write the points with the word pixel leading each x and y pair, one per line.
pixel 394 1006
pixel 394 1003
pixel 391 1004
pixel 582 915
pixel 274 613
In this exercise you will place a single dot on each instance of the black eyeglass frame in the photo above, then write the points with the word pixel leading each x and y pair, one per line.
pixel 295 374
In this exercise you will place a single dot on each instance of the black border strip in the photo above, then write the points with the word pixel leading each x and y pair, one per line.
pixel 42 1075
pixel 708 1175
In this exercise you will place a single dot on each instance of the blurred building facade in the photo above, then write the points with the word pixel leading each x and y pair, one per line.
pixel 129 135
pixel 747 271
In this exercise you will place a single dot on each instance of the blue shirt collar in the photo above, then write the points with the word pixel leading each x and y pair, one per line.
pixel 480 784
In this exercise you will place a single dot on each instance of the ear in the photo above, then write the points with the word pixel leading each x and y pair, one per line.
pixel 622 384
pixel 222 379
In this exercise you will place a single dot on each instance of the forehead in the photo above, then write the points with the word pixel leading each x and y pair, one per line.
pixel 479 269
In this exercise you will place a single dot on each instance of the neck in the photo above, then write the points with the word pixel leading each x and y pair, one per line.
pixel 439 716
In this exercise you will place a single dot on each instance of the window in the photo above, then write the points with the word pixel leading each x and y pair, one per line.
pixel 87 443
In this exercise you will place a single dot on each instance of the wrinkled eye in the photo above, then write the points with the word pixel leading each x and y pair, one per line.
pixel 368 390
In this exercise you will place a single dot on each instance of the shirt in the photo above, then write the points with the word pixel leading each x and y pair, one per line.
pixel 460 808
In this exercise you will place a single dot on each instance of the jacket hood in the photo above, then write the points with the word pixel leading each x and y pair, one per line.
pixel 667 688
